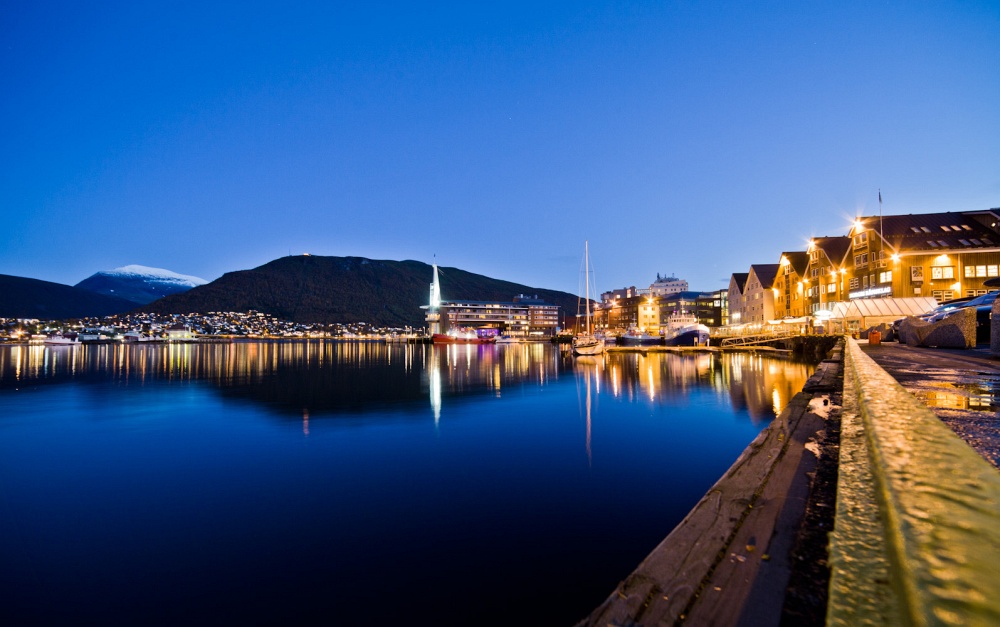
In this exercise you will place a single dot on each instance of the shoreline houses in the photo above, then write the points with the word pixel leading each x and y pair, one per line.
pixel 886 267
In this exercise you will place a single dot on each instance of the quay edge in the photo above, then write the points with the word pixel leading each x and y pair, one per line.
pixel 731 559
pixel 916 530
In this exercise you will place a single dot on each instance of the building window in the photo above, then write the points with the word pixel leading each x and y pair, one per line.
pixel 854 283
pixel 860 260
pixel 815 272
pixel 885 277
pixel 943 295
pixel 942 272
pixel 980 271
pixel 861 239
pixel 864 281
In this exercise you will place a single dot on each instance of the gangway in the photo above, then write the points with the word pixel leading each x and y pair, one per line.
pixel 756 338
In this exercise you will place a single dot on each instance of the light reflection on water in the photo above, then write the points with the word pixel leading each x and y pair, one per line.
pixel 276 481
pixel 761 384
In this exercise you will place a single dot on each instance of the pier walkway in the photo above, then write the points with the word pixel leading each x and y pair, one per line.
pixel 894 449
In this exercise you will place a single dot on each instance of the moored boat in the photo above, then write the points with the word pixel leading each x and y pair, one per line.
pixel 635 337
pixel 683 329
pixel 586 343
pixel 63 339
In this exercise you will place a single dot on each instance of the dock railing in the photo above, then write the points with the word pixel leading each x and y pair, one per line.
pixel 917 533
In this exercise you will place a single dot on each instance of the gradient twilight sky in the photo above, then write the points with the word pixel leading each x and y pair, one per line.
pixel 686 138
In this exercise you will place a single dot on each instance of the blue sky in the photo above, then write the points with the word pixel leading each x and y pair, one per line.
pixel 683 138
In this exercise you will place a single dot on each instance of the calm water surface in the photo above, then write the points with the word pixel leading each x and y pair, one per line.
pixel 353 483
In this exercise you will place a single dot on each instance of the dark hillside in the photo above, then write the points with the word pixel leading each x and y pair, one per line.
pixel 311 288
pixel 21 297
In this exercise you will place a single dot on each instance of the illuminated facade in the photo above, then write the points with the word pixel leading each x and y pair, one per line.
pixel 943 255
pixel 758 294
pixel 737 283
pixel 524 317
pixel 791 284
pixel 827 273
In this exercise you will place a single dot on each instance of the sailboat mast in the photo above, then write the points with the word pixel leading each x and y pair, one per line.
pixel 586 278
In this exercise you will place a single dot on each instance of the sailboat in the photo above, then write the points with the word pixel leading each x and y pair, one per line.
pixel 585 343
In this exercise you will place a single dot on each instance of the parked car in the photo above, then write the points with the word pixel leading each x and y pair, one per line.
pixel 934 314
pixel 983 305
pixel 945 307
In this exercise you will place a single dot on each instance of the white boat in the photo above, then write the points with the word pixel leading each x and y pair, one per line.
pixel 507 339
pixel 586 343
pixel 62 339
pixel 683 329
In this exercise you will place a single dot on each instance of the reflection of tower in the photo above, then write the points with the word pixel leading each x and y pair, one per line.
pixel 434 307
pixel 435 387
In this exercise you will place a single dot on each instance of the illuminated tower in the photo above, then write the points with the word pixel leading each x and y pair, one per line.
pixel 433 308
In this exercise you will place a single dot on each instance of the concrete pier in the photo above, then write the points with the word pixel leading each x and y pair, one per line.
pixel 917 525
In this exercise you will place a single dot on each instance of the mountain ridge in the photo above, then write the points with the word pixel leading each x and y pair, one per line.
pixel 22 297
pixel 328 289
pixel 139 284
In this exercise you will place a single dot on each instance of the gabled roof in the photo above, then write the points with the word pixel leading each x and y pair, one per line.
pixel 835 248
pixel 765 273
pixel 932 231
pixel 799 261
pixel 740 280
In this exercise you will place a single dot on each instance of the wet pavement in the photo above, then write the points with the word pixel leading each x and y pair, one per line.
pixel 962 387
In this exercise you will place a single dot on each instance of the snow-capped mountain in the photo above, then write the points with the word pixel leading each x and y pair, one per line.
pixel 139 284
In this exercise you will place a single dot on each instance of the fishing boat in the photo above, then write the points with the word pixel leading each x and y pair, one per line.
pixel 683 329
pixel 63 339
pixel 586 343
pixel 634 336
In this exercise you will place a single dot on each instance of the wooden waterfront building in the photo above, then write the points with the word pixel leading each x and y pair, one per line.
pixel 826 272
pixel 790 284
pixel 758 294
pixel 943 255
pixel 737 283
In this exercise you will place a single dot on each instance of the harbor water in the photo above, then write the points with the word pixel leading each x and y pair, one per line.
pixel 324 482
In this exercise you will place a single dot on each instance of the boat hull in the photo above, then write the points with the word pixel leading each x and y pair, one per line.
pixel 626 340
pixel 693 335
pixel 588 346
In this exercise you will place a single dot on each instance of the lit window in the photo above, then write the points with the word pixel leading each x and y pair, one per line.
pixel 925 229
pixel 944 228
pixel 964 242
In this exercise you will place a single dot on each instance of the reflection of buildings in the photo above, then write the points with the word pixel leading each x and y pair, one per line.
pixel 461 369
pixel 310 379
pixel 760 385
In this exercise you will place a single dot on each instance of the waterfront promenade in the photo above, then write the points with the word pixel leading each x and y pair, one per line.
pixel 864 452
